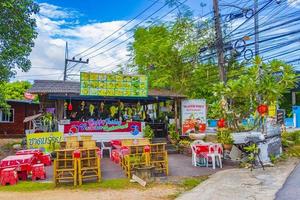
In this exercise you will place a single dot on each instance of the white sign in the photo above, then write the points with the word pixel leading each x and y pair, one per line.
pixel 193 112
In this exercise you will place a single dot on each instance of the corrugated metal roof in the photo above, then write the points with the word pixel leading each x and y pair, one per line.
pixel 72 87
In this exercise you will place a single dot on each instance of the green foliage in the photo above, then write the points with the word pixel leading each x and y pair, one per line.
pixel 242 92
pixel 148 132
pixel 252 152
pixel 168 53
pixel 47 120
pixel 172 132
pixel 290 138
pixel 16 90
pixel 17 32
pixel 184 143
pixel 291 143
pixel 273 158
pixel 224 136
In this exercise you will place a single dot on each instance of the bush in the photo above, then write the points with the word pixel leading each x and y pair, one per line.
pixel 148 132
pixel 224 136
pixel 290 138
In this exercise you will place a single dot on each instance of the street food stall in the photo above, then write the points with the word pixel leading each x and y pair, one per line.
pixel 108 106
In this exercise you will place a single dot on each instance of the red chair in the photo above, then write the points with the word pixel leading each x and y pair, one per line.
pixel 38 172
pixel 9 176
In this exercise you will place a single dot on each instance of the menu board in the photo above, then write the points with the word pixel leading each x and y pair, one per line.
pixel 100 84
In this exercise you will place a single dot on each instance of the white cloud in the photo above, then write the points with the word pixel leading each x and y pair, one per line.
pixel 56 25
pixel 294 3
pixel 56 12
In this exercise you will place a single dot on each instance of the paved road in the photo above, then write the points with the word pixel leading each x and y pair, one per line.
pixel 291 187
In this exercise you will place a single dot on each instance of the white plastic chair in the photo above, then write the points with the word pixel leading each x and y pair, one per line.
pixel 215 154
pixel 194 154
pixel 104 147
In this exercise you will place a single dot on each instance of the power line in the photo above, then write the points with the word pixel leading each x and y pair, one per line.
pixel 126 31
pixel 118 28
pixel 133 35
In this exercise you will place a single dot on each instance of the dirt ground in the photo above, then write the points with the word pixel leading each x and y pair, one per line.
pixel 154 193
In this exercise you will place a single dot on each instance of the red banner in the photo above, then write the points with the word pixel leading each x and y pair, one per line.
pixel 103 126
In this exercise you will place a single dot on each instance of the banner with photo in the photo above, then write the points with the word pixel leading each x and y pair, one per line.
pixel 193 113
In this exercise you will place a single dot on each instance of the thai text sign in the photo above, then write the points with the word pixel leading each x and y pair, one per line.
pixel 99 84
pixel 193 112
pixel 99 126
pixel 45 141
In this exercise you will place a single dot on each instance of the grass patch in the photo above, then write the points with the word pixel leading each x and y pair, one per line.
pixel 27 186
pixel 190 183
pixel 115 184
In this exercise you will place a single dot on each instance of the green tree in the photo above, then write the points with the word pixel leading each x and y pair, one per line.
pixel 17 32
pixel 260 83
pixel 16 90
pixel 168 53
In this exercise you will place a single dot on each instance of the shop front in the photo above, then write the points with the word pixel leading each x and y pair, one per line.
pixel 107 117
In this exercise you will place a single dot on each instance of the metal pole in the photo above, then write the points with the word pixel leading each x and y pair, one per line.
pixel 256 26
pixel 66 62
pixel 219 41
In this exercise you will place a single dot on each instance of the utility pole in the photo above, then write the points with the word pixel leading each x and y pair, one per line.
pixel 219 41
pixel 67 60
pixel 256 25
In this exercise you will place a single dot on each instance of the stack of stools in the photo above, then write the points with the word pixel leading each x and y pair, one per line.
pixel 72 142
pixel 65 167
pixel 9 176
pixel 38 172
pixel 136 157
pixel 159 158
pixel 80 163
pixel 89 161
pixel 89 165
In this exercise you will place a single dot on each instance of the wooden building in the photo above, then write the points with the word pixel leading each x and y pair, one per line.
pixel 11 124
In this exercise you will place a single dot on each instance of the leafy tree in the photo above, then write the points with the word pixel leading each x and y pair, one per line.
pixel 16 90
pixel 260 83
pixel 17 32
pixel 168 53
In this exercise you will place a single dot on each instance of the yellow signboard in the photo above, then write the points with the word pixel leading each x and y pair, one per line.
pixel 47 142
pixel 100 84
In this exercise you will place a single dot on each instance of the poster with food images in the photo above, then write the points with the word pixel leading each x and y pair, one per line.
pixel 101 84
pixel 193 113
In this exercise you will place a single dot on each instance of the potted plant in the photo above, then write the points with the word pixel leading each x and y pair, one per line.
pixel 224 137
pixel 148 132
pixel 173 135
pixel 184 147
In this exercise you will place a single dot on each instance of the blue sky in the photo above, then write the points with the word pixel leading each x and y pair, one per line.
pixel 82 23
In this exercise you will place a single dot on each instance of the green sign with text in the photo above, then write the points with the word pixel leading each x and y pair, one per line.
pixel 100 84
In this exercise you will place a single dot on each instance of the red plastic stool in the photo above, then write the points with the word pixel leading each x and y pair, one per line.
pixel 22 175
pixel 9 175
pixel 38 171
pixel 46 159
